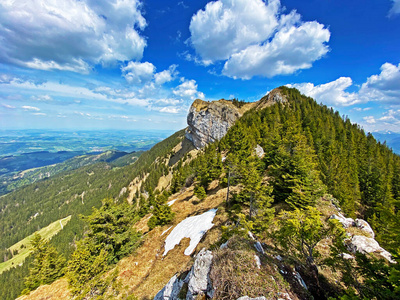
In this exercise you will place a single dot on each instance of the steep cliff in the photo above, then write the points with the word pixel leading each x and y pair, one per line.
pixel 210 121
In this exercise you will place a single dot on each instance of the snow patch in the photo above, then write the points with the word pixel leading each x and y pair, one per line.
pixel 171 202
pixel 258 261
pixel 194 228
pixel 165 231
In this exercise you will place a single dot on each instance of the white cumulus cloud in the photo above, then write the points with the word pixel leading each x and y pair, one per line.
pixel 144 73
pixel 383 87
pixel 136 72
pixel 188 90
pixel 166 75
pixel 292 49
pixel 255 38
pixel 369 119
pixel 70 35
pixel 226 27
pixel 331 93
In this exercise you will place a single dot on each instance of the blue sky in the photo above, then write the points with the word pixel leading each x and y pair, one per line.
pixel 131 64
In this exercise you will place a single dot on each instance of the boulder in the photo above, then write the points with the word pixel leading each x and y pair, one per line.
pixel 259 247
pixel 300 279
pixel 346 222
pixel 257 260
pixel 198 278
pixel 364 226
pixel 346 256
pixel 224 245
pixel 171 290
pixel 283 296
pixel 259 151
pixel 363 244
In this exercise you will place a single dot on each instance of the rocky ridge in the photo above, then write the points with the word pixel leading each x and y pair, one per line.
pixel 210 121
pixel 361 243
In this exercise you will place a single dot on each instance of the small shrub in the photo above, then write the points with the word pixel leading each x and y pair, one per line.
pixel 200 192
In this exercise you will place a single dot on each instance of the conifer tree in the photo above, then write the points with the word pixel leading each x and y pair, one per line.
pixel 47 265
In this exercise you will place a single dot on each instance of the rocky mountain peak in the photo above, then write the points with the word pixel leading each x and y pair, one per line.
pixel 210 121
pixel 274 96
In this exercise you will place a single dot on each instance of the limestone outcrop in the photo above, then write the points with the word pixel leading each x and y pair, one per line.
pixel 171 289
pixel 363 244
pixel 346 222
pixel 197 280
pixel 360 243
pixel 210 121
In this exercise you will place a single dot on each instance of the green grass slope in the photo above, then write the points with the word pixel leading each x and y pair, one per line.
pixel 22 248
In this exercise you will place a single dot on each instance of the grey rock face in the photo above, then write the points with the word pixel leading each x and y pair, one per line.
pixel 210 121
pixel 346 222
pixel 364 226
pixel 199 280
pixel 363 244
pixel 171 290
pixel 300 279
pixel 259 247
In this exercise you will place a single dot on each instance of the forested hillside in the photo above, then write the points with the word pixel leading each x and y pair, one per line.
pixel 277 177
pixel 75 193
pixel 310 152
pixel 13 180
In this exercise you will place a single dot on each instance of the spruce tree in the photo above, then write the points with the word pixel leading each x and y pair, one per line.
pixel 47 265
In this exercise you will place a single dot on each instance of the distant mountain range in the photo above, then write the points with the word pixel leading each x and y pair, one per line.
pixel 14 142
pixel 392 140
pixel 27 156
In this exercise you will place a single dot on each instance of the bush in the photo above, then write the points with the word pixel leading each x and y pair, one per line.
pixel 200 192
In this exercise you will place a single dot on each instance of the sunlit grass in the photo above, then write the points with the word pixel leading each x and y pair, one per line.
pixel 24 248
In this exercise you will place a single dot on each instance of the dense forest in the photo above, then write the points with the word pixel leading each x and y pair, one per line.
pixel 17 179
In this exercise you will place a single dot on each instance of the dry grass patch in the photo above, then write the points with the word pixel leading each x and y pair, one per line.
pixel 234 273
pixel 164 182
pixel 147 271
pixel 55 291
pixel 163 269
pixel 135 186
pixel 358 231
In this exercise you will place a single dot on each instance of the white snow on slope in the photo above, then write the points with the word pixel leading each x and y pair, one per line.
pixel 193 227
pixel 171 202
pixel 165 231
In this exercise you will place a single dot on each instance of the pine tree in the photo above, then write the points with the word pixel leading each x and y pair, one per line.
pixel 294 169
pixel 47 265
